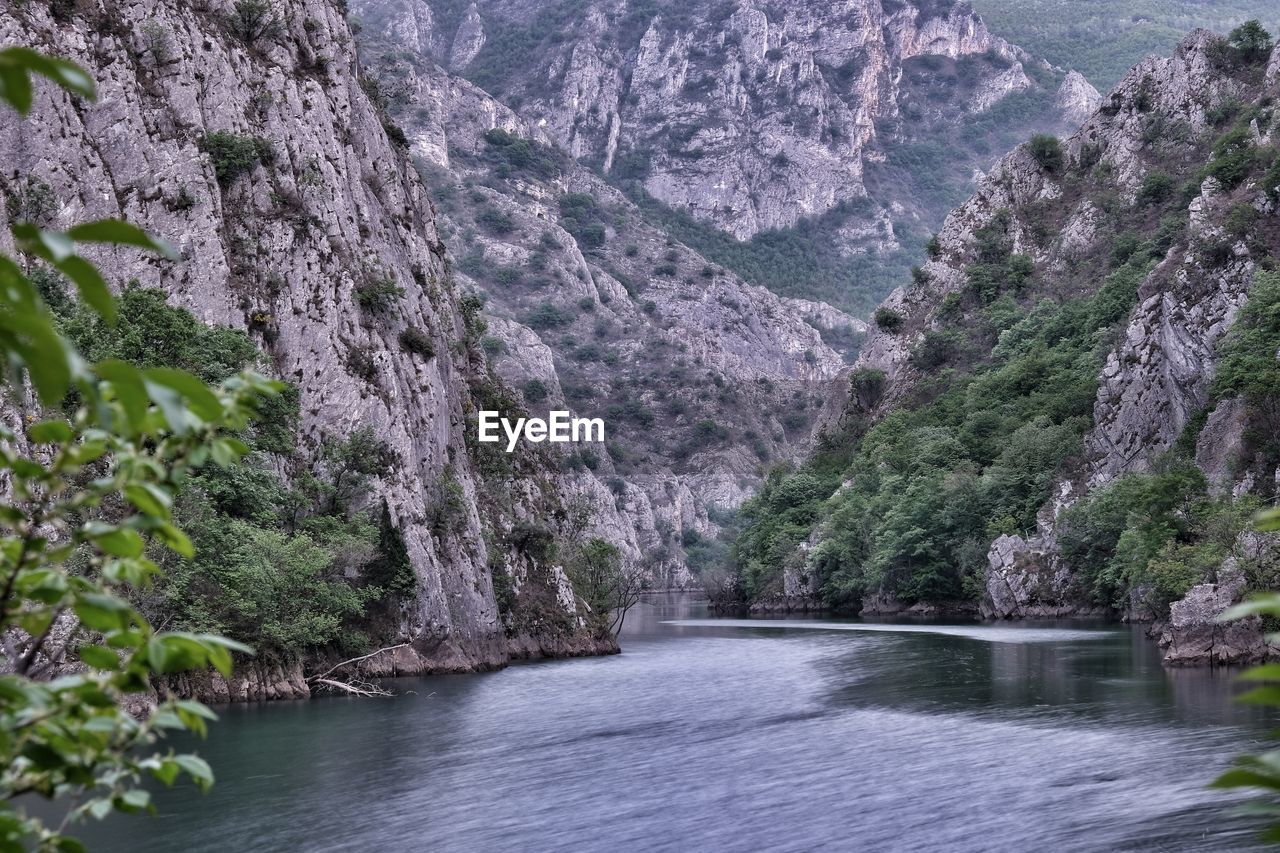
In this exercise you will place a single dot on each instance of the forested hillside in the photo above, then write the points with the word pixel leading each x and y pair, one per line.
pixel 1070 409
pixel 306 248
pixel 1103 39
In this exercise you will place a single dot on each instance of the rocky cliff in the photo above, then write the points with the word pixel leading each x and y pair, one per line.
pixel 756 116
pixel 1162 127
pixel 319 205
pixel 702 378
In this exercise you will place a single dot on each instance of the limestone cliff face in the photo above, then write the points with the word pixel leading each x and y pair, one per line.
pixel 280 251
pixel 751 116
pixel 1158 374
pixel 700 378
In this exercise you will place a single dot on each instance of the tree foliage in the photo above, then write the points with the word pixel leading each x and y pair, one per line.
pixel 90 497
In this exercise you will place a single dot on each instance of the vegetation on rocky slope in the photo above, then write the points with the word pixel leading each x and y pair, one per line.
pixel 1103 39
pixel 903 500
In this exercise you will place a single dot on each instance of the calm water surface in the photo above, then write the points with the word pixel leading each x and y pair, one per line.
pixel 740 735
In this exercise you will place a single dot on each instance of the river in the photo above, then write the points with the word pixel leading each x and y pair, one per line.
pixel 740 735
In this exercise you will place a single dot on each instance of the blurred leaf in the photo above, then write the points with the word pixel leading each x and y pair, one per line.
pixel 1267 604
pixel 99 658
pixel 93 288
pixel 118 232
pixel 17 63
pixel 202 401
pixel 50 432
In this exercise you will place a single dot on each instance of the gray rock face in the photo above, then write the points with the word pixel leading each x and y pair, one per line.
pixel 748 115
pixel 280 252
pixel 468 40
pixel 1220 446
pixel 732 374
pixel 1193 635
pixel 1076 98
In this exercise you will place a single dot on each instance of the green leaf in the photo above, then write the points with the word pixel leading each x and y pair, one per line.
pixel 98 809
pixel 99 658
pixel 197 709
pixel 126 382
pixel 166 771
pixel 197 768
pixel 1268 604
pixel 1269 696
pixel 120 542
pixel 203 402
pixel 50 432
pixel 120 233
pixel 15 87
pixel 103 724
pixel 149 498
pixel 19 62
pixel 67 844
pixel 1268 521
pixel 1265 672
pixel 102 612
pixel 93 288
pixel 134 801
pixel 54 246
pixel 175 539
pixel 219 651
pixel 1239 777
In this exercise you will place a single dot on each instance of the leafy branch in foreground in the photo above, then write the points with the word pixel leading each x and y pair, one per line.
pixel 84 493
pixel 1262 771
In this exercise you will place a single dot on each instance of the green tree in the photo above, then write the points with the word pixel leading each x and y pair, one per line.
pixel 1251 41
pixel 88 493
pixel 603 580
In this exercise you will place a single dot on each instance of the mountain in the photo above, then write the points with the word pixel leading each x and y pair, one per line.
pixel 702 378
pixel 245 138
pixel 1068 410
pixel 822 142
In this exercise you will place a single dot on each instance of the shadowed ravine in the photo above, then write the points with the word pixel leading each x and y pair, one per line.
pixel 741 735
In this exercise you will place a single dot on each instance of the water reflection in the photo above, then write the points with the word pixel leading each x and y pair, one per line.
pixel 740 736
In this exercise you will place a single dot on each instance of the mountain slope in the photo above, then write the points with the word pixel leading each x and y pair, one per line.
pixel 701 377
pixel 856 120
pixel 1035 425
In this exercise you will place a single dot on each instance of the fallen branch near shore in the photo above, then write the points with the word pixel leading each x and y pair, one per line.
pixel 352 686
pixel 355 688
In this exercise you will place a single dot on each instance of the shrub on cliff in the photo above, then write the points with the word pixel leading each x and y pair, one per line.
pixel 1047 151
pixel 889 320
pixel 254 20
pixel 1251 42
pixel 416 341
pixel 234 154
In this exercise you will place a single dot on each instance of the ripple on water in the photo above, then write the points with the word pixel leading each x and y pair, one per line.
pixel 985 633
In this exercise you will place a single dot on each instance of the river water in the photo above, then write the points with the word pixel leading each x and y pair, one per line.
pixel 740 735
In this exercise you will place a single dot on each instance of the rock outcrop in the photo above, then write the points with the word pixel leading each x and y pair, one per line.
pixel 701 378
pixel 1194 634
